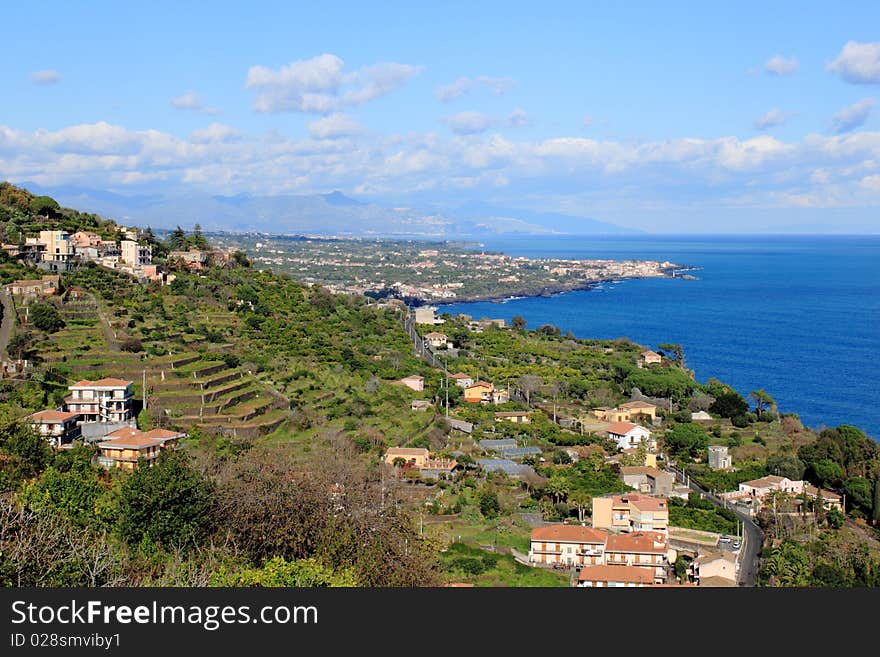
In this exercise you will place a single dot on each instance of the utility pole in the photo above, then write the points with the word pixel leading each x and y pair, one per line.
pixel 145 389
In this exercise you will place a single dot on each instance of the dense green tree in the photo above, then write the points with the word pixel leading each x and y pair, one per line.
pixel 176 240
pixel 45 317
pixel 686 440
pixel 168 504
pixel 729 404
pixel 278 572
pixel 859 495
pixel 518 322
pixel 786 465
pixel 45 206
pixel 488 502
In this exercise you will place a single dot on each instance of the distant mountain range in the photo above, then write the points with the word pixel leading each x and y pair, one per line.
pixel 319 214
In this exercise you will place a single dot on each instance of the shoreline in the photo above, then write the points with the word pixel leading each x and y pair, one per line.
pixel 556 290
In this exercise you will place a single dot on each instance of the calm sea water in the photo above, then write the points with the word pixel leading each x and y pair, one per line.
pixel 797 316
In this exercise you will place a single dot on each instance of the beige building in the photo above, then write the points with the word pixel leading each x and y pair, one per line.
pixel 516 417
pixel 646 549
pixel 631 512
pixel 714 564
pixel 650 481
pixel 569 545
pixel 615 577
pixel 649 357
pixel 427 315
pixel 416 455
pixel 35 288
pixel 124 448
pixel 58 251
pixel 436 340
pixel 135 255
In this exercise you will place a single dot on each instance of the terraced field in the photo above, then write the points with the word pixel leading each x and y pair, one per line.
pixel 190 381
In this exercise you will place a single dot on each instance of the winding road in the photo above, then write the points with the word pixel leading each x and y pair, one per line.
pixel 753 537
pixel 7 323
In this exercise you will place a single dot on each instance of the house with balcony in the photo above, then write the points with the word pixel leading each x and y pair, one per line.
pixel 644 549
pixel 125 447
pixel 58 427
pixel 135 255
pixel 567 545
pixel 479 393
pixel 630 512
pixel 58 253
pixel 105 400
pixel 615 577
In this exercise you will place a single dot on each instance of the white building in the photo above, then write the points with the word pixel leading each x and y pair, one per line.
pixel 629 435
pixel 105 400
pixel 719 459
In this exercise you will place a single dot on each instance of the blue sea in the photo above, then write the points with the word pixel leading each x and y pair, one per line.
pixel 798 316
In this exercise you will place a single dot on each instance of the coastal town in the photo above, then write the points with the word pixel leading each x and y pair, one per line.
pixel 516 457
pixel 442 272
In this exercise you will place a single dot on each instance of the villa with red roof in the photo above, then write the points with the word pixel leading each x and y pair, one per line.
pixel 615 577
pixel 124 448
pixel 645 549
pixel 105 400
pixel 631 512
pixel 628 435
pixel 58 427
pixel 569 545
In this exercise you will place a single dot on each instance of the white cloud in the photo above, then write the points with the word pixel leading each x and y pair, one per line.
pixel 858 63
pixel 772 119
pixel 816 171
pixel 464 85
pixel 334 127
pixel 779 65
pixel 852 117
pixel 191 101
pixel 469 123
pixel 214 133
pixel 457 89
pixel 518 118
pixel 46 77
pixel 321 86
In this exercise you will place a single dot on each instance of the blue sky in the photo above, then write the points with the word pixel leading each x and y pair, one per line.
pixel 663 116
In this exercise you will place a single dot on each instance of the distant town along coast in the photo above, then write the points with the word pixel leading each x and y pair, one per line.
pixel 436 272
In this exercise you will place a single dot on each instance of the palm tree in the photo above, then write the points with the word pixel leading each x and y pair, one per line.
pixel 557 487
pixel 581 500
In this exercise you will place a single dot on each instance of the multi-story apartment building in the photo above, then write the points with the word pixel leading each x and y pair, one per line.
pixel 134 254
pixel 106 400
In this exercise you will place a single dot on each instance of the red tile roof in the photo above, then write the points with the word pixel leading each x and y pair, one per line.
pixel 52 416
pixel 621 428
pixel 629 574
pixel 640 542
pixel 162 433
pixel 131 442
pixel 569 533
pixel 102 383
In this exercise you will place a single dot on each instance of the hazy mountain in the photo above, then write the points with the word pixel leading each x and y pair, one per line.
pixel 329 214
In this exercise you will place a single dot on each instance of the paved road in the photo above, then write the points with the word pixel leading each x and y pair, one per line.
pixel 7 323
pixel 753 537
